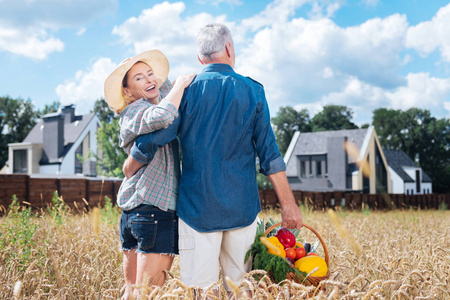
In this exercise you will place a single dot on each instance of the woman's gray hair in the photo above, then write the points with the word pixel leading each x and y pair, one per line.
pixel 212 39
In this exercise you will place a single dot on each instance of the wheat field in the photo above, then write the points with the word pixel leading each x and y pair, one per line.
pixel 75 254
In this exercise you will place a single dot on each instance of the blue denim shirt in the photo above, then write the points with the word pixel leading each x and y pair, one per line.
pixel 223 124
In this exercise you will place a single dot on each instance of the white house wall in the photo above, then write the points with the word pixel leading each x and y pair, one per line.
pixel 49 169
pixel 411 171
pixel 291 160
pixel 355 179
pixel 410 188
pixel 68 163
pixel 427 188
pixel 397 182
pixel 34 154
pixel 401 187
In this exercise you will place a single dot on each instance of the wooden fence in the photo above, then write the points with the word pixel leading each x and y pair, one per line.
pixel 38 193
pixel 357 200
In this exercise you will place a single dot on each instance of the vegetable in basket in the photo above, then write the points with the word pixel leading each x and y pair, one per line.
pixel 309 263
pixel 274 246
pixel 276 266
pixel 286 237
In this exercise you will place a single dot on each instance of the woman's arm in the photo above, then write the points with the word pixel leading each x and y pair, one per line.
pixel 182 82
pixel 141 118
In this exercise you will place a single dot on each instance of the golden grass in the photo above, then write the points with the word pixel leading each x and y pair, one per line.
pixel 399 255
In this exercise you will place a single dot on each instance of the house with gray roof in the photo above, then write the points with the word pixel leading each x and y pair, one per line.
pixel 406 176
pixel 56 143
pixel 340 160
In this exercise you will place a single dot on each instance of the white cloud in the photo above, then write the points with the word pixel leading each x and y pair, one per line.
pixel 87 86
pixel 323 10
pixel 429 36
pixel 358 94
pixel 277 12
pixel 29 43
pixel 54 14
pixel 81 31
pixel 447 107
pixel 327 73
pixel 218 2
pixel 28 27
pixel 301 61
pixel 422 91
pixel 162 27
pixel 370 2
pixel 361 97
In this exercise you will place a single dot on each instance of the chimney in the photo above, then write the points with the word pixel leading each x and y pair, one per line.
pixel 53 135
pixel 69 113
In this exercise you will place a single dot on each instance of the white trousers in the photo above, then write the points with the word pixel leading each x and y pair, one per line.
pixel 201 253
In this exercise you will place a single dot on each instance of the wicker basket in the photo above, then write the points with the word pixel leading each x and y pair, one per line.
pixel 310 280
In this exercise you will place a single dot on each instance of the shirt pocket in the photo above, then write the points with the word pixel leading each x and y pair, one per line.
pixel 144 228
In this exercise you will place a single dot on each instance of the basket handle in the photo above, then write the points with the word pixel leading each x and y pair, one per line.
pixel 325 250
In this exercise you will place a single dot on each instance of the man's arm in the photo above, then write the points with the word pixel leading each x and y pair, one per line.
pixel 146 145
pixel 273 166
pixel 290 213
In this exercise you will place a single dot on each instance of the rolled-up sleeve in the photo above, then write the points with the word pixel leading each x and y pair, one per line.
pixel 270 159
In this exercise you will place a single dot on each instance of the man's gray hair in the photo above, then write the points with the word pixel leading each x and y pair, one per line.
pixel 211 39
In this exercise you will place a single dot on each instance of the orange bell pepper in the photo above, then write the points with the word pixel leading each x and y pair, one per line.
pixel 273 246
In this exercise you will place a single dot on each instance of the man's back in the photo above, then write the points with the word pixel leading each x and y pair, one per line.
pixel 224 119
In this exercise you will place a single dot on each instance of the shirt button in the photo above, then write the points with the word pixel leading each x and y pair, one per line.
pixel 137 215
pixel 156 222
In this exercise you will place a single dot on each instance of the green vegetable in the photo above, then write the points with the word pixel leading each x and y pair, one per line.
pixel 315 246
pixel 276 266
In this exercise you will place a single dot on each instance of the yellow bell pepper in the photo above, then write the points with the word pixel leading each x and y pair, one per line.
pixel 273 246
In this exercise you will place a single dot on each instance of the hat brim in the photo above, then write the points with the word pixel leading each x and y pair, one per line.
pixel 155 59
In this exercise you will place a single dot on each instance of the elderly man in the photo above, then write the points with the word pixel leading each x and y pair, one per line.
pixel 224 123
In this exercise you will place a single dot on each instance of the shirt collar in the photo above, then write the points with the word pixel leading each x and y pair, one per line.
pixel 218 67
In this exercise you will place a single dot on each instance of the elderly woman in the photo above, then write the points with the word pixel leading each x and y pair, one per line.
pixel 148 225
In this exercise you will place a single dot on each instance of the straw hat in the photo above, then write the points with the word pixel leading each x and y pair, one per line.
pixel 114 94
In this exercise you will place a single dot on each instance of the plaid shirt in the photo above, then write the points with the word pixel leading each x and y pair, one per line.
pixel 153 183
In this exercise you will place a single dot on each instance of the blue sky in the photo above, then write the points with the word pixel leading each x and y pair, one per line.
pixel 364 54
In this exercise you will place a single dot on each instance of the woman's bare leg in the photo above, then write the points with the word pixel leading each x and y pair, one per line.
pixel 152 265
pixel 129 271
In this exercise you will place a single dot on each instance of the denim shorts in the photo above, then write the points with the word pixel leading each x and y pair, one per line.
pixel 149 229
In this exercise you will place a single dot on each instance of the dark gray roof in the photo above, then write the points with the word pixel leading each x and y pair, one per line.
pixel 316 143
pixel 72 130
pixel 397 159
pixel 311 143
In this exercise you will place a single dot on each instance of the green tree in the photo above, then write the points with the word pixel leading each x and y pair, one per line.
pixel 111 157
pixel 422 137
pixel 389 126
pixel 49 108
pixel 101 109
pixel 17 118
pixel 287 122
pixel 333 117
